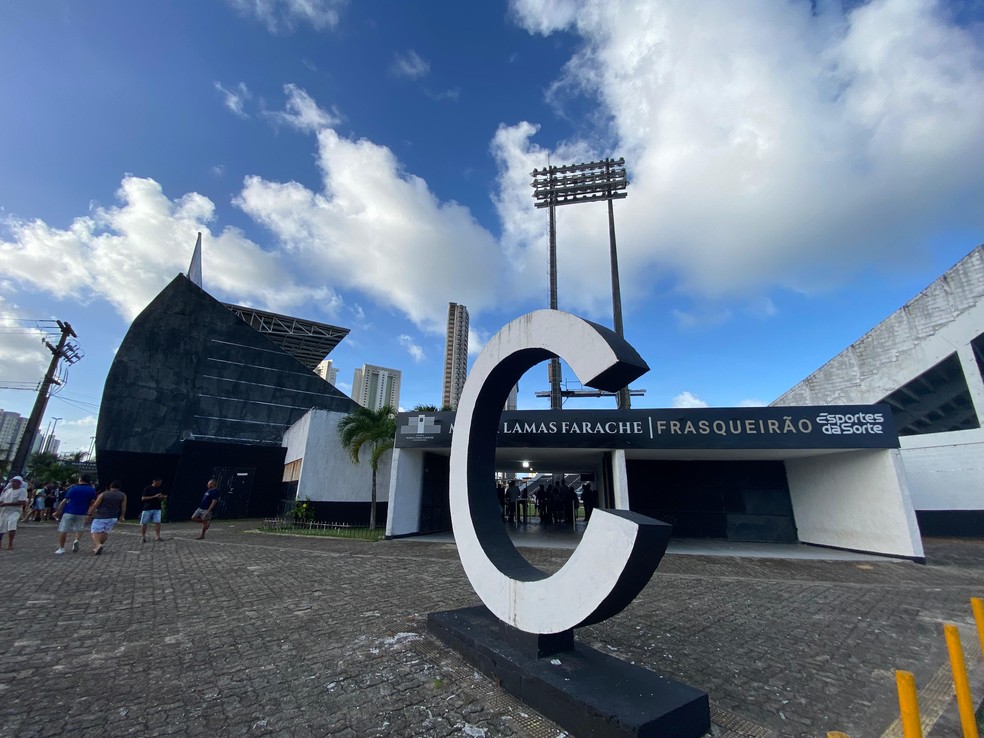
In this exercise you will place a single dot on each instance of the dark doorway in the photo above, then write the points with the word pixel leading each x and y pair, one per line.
pixel 733 500
pixel 236 485
pixel 435 504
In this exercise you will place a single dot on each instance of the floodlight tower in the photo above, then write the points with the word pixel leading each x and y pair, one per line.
pixel 573 183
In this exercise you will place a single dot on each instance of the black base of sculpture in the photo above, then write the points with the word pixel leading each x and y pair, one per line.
pixel 583 690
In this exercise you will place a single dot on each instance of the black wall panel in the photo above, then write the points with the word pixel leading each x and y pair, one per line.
pixel 733 500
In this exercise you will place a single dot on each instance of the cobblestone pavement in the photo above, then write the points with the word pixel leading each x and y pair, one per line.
pixel 253 634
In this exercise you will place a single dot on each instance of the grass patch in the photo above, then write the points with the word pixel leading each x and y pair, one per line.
pixel 322 530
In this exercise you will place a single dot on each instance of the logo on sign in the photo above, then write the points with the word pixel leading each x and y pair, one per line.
pixel 850 423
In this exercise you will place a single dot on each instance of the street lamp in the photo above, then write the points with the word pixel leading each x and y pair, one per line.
pixel 51 434
pixel 568 185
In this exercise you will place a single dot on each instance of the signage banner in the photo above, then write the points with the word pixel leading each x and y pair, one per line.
pixel 787 427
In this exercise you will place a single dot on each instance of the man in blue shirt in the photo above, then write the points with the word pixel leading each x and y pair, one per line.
pixel 204 512
pixel 72 511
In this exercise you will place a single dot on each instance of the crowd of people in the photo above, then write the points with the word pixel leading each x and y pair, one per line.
pixel 82 505
pixel 554 502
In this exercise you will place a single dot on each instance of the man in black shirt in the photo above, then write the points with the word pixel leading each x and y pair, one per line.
pixel 151 498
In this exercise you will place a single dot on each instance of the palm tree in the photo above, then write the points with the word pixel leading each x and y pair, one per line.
pixel 375 429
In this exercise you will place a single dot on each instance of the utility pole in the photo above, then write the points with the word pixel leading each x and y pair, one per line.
pixel 61 351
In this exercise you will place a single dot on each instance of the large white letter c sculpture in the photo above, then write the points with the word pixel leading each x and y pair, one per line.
pixel 620 549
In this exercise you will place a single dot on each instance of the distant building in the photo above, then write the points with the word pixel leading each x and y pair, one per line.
pixel 11 430
pixel 455 354
pixel 327 372
pixel 376 386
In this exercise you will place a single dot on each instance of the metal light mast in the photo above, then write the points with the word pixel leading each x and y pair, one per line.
pixel 567 185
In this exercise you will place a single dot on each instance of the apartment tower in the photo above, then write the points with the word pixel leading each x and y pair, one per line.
pixel 376 386
pixel 455 354
pixel 327 372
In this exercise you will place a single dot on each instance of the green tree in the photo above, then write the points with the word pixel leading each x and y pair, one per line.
pixel 375 430
pixel 49 468
pixel 424 409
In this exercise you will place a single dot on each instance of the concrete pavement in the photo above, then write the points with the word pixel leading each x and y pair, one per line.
pixel 253 634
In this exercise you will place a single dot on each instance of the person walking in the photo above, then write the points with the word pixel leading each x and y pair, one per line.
pixel 152 498
pixel 512 496
pixel 37 505
pixel 108 508
pixel 203 514
pixel 589 496
pixel 72 510
pixel 13 504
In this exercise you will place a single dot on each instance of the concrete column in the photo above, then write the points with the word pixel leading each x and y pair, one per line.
pixel 857 500
pixel 620 480
pixel 405 484
pixel 975 384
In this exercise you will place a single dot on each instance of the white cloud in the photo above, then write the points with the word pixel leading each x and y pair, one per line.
pixel 285 15
pixel 415 351
pixel 452 93
pixel 476 340
pixel 751 402
pixel 688 399
pixel 126 254
pixel 76 434
pixel 768 144
pixel 302 112
pixel 410 65
pixel 701 317
pixel 235 99
pixel 378 229
pixel 25 358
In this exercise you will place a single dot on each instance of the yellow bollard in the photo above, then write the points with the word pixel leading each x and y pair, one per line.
pixel 960 684
pixel 978 606
pixel 837 734
pixel 908 704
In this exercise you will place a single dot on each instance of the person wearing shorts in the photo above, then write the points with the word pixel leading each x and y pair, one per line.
pixel 108 508
pixel 72 510
pixel 13 503
pixel 203 514
pixel 151 498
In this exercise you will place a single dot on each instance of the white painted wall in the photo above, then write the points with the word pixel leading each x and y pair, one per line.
pixel 857 500
pixel 945 470
pixel 327 471
pixel 406 482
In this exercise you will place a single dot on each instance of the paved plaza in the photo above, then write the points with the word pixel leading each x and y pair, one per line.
pixel 254 634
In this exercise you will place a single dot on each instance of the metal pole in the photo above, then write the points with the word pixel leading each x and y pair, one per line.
pixel 623 394
pixel 51 434
pixel 908 704
pixel 965 704
pixel 553 369
pixel 46 436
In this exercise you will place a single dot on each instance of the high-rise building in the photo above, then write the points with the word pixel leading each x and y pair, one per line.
pixel 326 371
pixel 11 430
pixel 455 354
pixel 376 386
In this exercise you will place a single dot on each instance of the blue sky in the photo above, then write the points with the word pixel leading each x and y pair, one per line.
pixel 798 171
